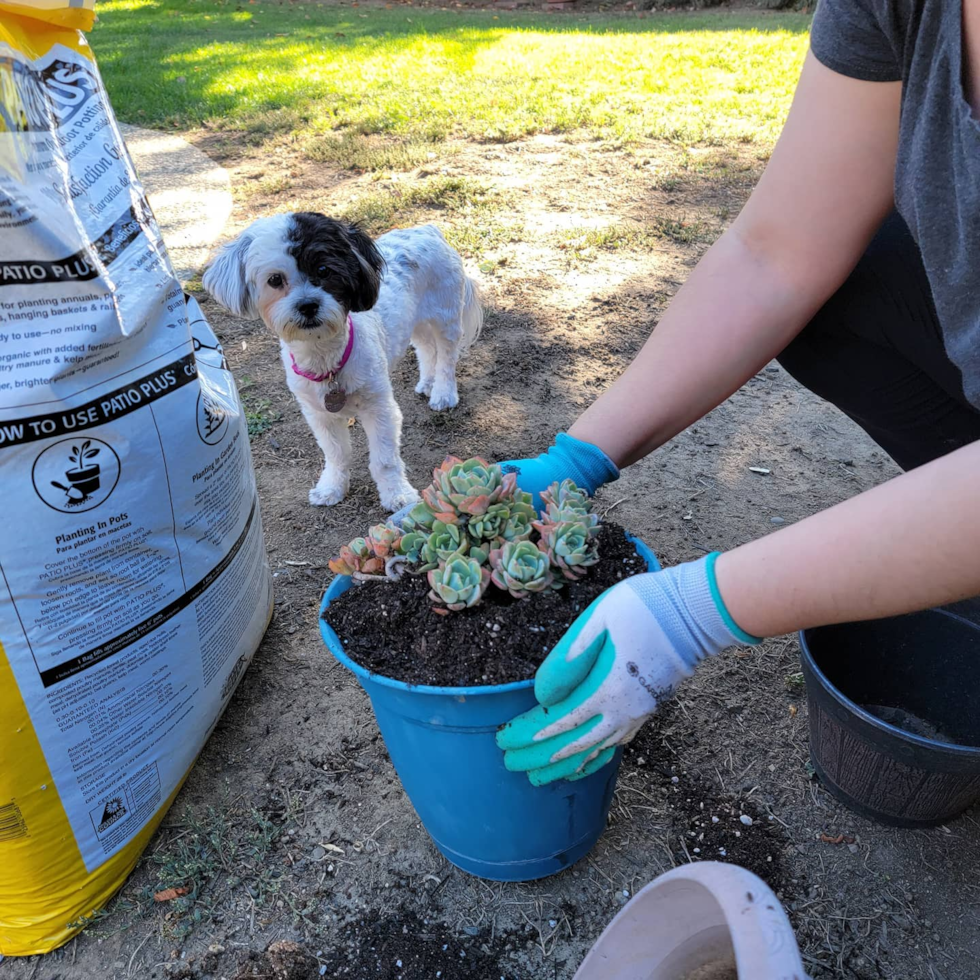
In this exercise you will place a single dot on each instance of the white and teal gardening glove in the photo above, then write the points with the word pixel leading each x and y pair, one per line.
pixel 568 459
pixel 606 676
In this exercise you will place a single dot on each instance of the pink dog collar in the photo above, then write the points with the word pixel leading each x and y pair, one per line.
pixel 330 375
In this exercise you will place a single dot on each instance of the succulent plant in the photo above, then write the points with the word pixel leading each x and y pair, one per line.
pixel 566 496
pixel 444 541
pixel 569 546
pixel 383 540
pixel 459 583
pixel 474 526
pixel 521 568
pixel 410 546
pixel 489 525
pixel 469 487
pixel 565 503
pixel 357 558
pixel 519 524
pixel 421 518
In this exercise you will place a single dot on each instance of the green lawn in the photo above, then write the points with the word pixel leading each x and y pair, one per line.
pixel 424 75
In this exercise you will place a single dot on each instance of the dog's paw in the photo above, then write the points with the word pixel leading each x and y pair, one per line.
pixel 326 496
pixel 400 499
pixel 424 387
pixel 440 401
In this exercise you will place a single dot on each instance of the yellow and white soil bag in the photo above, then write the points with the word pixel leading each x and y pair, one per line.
pixel 134 586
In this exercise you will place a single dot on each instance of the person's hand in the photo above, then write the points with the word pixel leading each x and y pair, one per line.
pixel 618 661
pixel 568 459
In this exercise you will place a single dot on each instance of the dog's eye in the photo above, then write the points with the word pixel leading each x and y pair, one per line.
pixel 275 281
pixel 321 270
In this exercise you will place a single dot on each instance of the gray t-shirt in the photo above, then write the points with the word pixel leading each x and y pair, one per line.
pixel 937 177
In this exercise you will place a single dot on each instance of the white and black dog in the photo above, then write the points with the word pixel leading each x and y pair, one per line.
pixel 345 309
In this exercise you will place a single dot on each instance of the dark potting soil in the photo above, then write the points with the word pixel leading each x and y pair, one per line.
pixel 391 628
pixel 395 944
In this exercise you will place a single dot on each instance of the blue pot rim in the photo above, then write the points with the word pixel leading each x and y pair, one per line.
pixel 333 644
pixel 852 707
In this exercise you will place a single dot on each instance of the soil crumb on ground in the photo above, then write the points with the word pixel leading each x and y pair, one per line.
pixel 283 960
pixel 706 822
pixel 391 629
pixel 407 947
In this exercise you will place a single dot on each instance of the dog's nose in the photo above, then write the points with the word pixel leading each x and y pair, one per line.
pixel 308 310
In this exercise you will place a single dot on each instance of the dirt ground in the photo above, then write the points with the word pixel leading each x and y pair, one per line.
pixel 293 831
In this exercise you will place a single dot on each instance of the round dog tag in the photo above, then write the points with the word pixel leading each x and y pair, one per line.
pixel 334 401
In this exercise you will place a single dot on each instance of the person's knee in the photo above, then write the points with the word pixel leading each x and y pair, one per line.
pixel 839 337
pixel 813 356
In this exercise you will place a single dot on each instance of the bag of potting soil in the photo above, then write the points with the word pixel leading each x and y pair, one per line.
pixel 134 586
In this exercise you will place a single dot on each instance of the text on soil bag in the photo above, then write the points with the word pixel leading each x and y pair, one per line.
pixel 107 407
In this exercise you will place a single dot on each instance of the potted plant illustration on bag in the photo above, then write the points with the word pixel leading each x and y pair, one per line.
pixel 84 477
pixel 444 621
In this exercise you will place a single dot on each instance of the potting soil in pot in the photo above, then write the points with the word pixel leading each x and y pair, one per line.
pixel 910 723
pixel 719 970
pixel 393 630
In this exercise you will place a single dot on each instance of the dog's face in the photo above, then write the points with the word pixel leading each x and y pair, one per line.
pixel 302 273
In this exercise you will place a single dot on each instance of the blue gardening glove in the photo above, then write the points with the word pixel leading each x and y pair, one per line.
pixel 568 459
pixel 606 676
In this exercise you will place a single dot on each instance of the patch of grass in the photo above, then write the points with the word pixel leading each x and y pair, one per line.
pixel 584 243
pixel 485 233
pixel 267 67
pixel 215 848
pixel 259 416
pixel 273 185
pixel 717 165
pixel 354 151
pixel 399 203
pixel 683 232
pixel 609 237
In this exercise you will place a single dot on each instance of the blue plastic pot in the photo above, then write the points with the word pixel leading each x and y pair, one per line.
pixel 490 822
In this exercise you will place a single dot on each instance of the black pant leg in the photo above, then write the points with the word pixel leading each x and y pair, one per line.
pixel 875 350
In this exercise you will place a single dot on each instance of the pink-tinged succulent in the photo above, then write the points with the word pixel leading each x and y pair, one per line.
pixel 569 547
pixel 357 558
pixel 420 518
pixel 459 584
pixel 467 488
pixel 520 568
pixel 383 540
pixel 566 502
pixel 566 494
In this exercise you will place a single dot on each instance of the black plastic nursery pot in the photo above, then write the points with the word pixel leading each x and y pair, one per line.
pixel 894 725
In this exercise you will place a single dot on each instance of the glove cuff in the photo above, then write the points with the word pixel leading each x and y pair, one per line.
pixel 740 635
pixel 590 466
pixel 686 603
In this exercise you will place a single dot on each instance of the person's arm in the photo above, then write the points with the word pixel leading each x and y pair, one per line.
pixel 906 545
pixel 825 191
pixel 909 544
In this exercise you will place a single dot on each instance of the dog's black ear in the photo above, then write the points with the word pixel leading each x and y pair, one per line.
pixel 226 280
pixel 372 267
